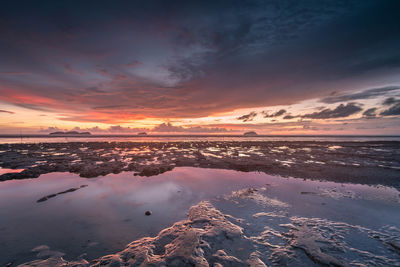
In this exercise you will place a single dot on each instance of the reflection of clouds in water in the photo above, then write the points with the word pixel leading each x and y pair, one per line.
pixel 133 190
pixel 155 192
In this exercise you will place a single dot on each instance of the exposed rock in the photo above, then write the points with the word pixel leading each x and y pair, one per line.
pixel 209 237
pixel 154 170
pixel 257 196
pixel 206 238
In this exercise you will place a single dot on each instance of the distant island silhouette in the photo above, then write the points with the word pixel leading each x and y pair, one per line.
pixel 252 133
pixel 70 133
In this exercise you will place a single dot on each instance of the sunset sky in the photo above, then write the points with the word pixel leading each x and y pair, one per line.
pixel 216 67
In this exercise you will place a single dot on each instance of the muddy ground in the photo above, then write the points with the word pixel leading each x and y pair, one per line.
pixel 374 163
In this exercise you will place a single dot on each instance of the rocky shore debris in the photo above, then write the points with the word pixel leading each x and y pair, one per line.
pixel 153 170
pixel 60 193
pixel 256 195
pixel 209 237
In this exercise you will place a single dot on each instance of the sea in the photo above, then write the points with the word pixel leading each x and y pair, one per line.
pixel 15 139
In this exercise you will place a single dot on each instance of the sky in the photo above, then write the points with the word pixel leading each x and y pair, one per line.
pixel 203 67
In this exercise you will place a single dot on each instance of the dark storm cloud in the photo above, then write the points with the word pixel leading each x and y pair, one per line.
pixel 370 113
pixel 341 111
pixel 247 117
pixel 392 111
pixel 338 112
pixel 276 114
pixel 289 117
pixel 191 58
pixel 394 108
pixel 370 93
pixel 390 101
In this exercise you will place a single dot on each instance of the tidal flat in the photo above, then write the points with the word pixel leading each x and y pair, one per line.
pixel 371 162
pixel 212 204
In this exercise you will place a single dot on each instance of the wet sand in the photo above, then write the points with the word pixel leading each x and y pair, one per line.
pixel 372 163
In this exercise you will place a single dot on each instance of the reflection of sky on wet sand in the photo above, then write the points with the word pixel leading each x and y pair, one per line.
pixel 3 170
pixel 110 211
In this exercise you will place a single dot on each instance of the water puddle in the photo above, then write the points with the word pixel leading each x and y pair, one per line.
pixel 106 213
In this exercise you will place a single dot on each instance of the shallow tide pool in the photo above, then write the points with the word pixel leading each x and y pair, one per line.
pixel 104 214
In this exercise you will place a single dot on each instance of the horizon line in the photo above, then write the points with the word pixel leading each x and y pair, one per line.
pixel 186 135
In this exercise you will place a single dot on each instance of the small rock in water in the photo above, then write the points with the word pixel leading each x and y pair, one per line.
pixel 148 213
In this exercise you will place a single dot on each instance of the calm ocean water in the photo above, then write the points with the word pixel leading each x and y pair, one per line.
pixel 54 139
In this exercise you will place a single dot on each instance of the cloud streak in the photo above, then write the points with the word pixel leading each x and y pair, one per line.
pixel 276 114
pixel 6 111
pixel 370 113
pixel 247 117
pixel 367 94
pixel 340 111
pixel 392 111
